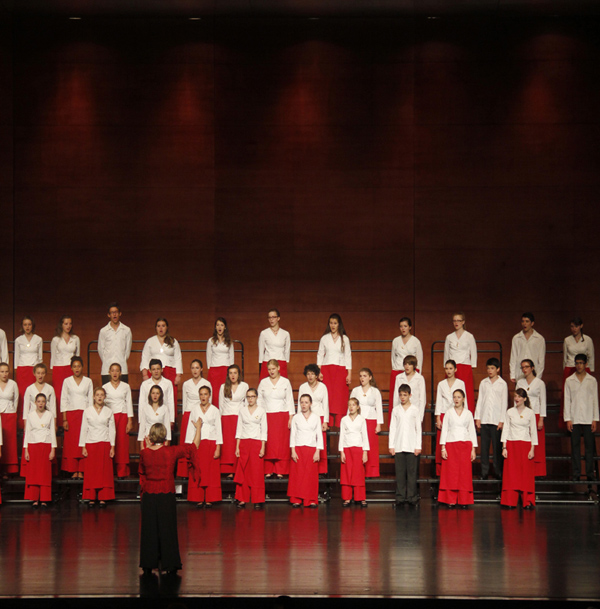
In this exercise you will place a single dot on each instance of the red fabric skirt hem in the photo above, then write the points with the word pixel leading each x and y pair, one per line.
pixel 228 458
pixel 304 476
pixel 98 472
pixel 334 378
pixel 518 473
pixel 372 464
pixel 457 471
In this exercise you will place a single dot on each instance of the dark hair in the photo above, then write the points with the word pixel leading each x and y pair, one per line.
pixel 368 371
pixel 116 364
pixel 76 358
pixel 274 311
pixel 405 388
pixel 200 362
pixel 459 391
pixel 581 357
pixel 253 390
pixel 41 395
pixel 215 336
pixel 209 389
pixel 521 392
pixel 410 359
pixel 162 395
pixel 341 329
pixel 493 361
pixel 305 395
pixel 155 362
pixel 28 317
pixel 168 338
pixel 528 315
pixel 312 368
pixel 59 329
pixel 450 361
pixel 407 320
pixel 113 305
pixel 39 365
pixel 530 362
pixel 227 384
pixel 577 321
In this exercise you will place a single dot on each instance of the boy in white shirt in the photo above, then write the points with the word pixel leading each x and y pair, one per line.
pixel 527 344
pixel 114 344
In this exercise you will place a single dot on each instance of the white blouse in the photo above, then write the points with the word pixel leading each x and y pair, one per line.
pixel 405 429
pixel 118 398
pixel 492 401
pixel 219 355
pixel 306 432
pixel 581 400
pixel 189 393
pixel 97 426
pixel 276 398
pixel 231 406
pixel 61 351
pixel 536 393
pixel 252 426
pixel 320 399
pixel 370 403
pixel 148 417
pixel 571 348
pixel 114 346
pixel 28 352
pixel 462 350
pixel 76 397
pixel 330 352
pixel 401 350
pixel 457 428
pixel 418 395
pixel 445 395
pixel 168 399
pixel 211 425
pixel 353 433
pixel 274 346
pixel 9 397
pixel 168 355
pixel 30 395
pixel 3 348
pixel 40 430
pixel 520 427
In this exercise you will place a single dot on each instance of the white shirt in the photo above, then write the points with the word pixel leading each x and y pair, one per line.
pixel 306 432
pixel 29 399
pixel 231 406
pixel 219 355
pixel 571 348
pixel 252 426
pixel 148 417
pixel 76 397
pixel 168 400
pixel 462 350
pixel 418 395
pixel 330 352
pixel 492 401
pixel 190 393
pixel 40 430
pixel 168 355
pixel 370 403
pixel 3 348
pixel 114 346
pixel 401 350
pixel 320 399
pixel 522 348
pixel 276 398
pixel 61 351
pixel 9 397
pixel 581 400
pixel 118 398
pixel 97 426
pixel 536 393
pixel 211 425
pixel 28 352
pixel 405 429
pixel 445 395
pixel 274 346
pixel 458 428
pixel 353 433
pixel 520 427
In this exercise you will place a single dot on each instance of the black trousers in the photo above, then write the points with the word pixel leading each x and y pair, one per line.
pixel 106 378
pixel 159 545
pixel 406 477
pixel 490 434
pixel 590 450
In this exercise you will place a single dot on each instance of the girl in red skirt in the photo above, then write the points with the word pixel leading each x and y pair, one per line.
pixel 353 447
pixel 219 355
pixel 63 347
pixel 403 345
pixel 458 441
pixel 204 488
pixel 274 343
pixel 371 408
pixel 166 349
pixel 251 439
pixel 39 445
pixel 9 401
pixel 29 348
pixel 461 347
pixel 306 442
pixel 232 397
pixel 335 359
pixel 97 442
pixel 519 438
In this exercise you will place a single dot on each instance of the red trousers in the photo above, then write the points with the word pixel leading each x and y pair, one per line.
pixel 277 456
pixel 334 378
pixel 352 474
pixel 228 458
pixel 539 459
pixel 250 473
pixel 72 458
pixel 303 484
pixel 9 461
pixel 456 481
pixel 98 480
pixel 183 464
pixel 372 465
pixel 121 460
pixel 205 484
pixel 438 449
pixel 518 475
pixel 38 482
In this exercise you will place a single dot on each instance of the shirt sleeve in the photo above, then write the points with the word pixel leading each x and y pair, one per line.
pixel 419 355
pixel 472 432
pixel 141 425
pixel 239 425
pixel 396 398
pixel 542 358
pixel 504 402
pixel 178 358
pixel 27 434
pixel 53 435
pixel 145 361
pixel 101 345
pixel 84 429
pixel 473 353
pixel 341 441
pixel 53 351
pixel 231 354
pixel 596 416
pixel 17 354
pixel 219 428
pixel 170 401
pixel 364 435
pixel 422 397
pixel 542 399
pixel 3 347
pixel 208 353
pixel 64 397
pixel 129 403
pixel 567 408
pixel 446 349
pixel 590 354
pixel 419 434
pixel 444 432
pixel 513 358
pixel 533 429
pixel 505 429
pixel 40 350
pixel 325 403
pixel 264 427
pixel 347 353
pixel 289 399
pixel 565 353
pixel 294 431
pixel 128 343
pixel 379 406
pixel 480 400
pixel 261 348
pixel 90 392
pixel 438 400
pixel 112 432
pixel 77 345
pixel 392 432
pixel 287 347
pixel 320 352
pixel 319 434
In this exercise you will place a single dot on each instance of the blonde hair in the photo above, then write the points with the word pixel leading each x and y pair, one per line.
pixel 158 433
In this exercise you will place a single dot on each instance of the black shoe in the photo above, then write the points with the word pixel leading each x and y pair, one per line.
pixel 529 507
pixel 296 505
pixel 463 507
pixel 240 505
pixel 259 506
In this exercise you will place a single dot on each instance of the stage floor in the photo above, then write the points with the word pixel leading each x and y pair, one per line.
pixel 482 552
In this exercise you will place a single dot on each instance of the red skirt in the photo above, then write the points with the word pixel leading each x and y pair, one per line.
pixel 24 377
pixel 323 453
pixel 539 458
pixel 352 473
pixel 438 449
pixel 98 472
pixel 170 373
pixel 334 378
pixel 393 375
pixel 250 473
pixel 205 484
pixel 72 458
pixel 518 473
pixel 277 453
pixel 457 471
pixel 228 458
pixel 39 470
pixel 59 375
pixel 121 459
pixel 264 373
pixel 216 377
pixel 464 372
pixel 304 476
pixel 10 455
pixel 183 465
pixel 372 465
